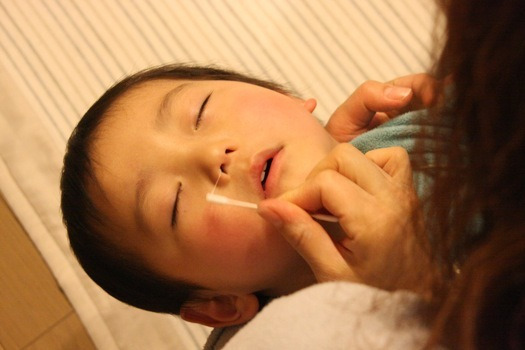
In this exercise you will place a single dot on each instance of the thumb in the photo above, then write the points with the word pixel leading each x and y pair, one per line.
pixel 358 112
pixel 307 237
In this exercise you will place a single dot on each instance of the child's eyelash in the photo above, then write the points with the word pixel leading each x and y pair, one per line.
pixel 175 210
pixel 201 112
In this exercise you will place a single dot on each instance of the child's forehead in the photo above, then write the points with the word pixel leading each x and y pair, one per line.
pixel 148 92
pixel 145 99
pixel 169 83
pixel 158 88
pixel 160 85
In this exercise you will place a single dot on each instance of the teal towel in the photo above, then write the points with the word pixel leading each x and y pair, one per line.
pixel 403 131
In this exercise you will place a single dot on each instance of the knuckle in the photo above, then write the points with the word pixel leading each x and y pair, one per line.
pixel 368 87
pixel 423 76
pixel 341 150
pixel 341 147
pixel 300 236
pixel 399 154
pixel 326 177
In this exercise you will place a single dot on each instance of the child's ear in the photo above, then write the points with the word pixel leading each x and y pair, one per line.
pixel 310 104
pixel 221 310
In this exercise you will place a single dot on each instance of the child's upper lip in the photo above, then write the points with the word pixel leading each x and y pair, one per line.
pixel 257 164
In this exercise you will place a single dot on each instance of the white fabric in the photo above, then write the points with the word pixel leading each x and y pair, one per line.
pixel 58 56
pixel 336 316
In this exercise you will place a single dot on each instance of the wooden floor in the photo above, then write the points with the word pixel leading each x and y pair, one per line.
pixel 34 313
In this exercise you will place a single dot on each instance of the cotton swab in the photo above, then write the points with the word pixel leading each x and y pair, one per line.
pixel 216 198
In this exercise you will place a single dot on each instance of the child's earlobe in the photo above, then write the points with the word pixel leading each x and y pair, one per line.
pixel 310 104
pixel 221 311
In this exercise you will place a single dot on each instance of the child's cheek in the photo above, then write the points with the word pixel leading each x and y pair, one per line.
pixel 229 230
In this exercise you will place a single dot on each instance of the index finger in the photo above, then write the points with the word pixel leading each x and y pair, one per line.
pixel 354 165
pixel 325 257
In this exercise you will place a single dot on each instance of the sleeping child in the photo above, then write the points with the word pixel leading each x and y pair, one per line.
pixel 137 170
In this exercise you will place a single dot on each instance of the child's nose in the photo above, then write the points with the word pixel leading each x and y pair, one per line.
pixel 215 158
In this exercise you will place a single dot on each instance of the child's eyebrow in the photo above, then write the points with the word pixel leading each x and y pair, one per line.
pixel 165 104
pixel 140 195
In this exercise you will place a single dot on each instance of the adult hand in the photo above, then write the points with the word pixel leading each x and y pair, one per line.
pixel 374 103
pixel 373 197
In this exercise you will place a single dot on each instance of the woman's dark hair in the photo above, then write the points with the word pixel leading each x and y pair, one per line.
pixel 110 266
pixel 477 215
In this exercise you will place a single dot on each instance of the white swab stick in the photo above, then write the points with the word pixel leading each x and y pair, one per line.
pixel 325 217
pixel 216 198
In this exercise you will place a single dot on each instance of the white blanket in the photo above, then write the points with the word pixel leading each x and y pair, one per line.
pixel 332 316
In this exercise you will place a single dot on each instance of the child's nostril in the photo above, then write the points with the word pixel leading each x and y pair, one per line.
pixel 228 151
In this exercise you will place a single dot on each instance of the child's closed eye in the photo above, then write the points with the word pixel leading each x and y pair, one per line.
pixel 198 120
pixel 175 210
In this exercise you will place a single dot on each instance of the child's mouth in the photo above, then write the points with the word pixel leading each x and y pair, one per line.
pixel 264 168
pixel 265 172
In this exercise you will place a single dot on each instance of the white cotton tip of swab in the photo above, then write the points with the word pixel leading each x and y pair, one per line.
pixel 216 198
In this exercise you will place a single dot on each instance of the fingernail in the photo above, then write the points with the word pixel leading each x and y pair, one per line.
pixel 397 92
pixel 271 216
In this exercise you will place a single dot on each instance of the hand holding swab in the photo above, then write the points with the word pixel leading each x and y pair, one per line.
pixel 216 198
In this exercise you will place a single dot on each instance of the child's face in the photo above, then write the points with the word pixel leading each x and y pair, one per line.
pixel 155 162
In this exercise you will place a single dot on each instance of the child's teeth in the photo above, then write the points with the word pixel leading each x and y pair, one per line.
pixel 264 171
